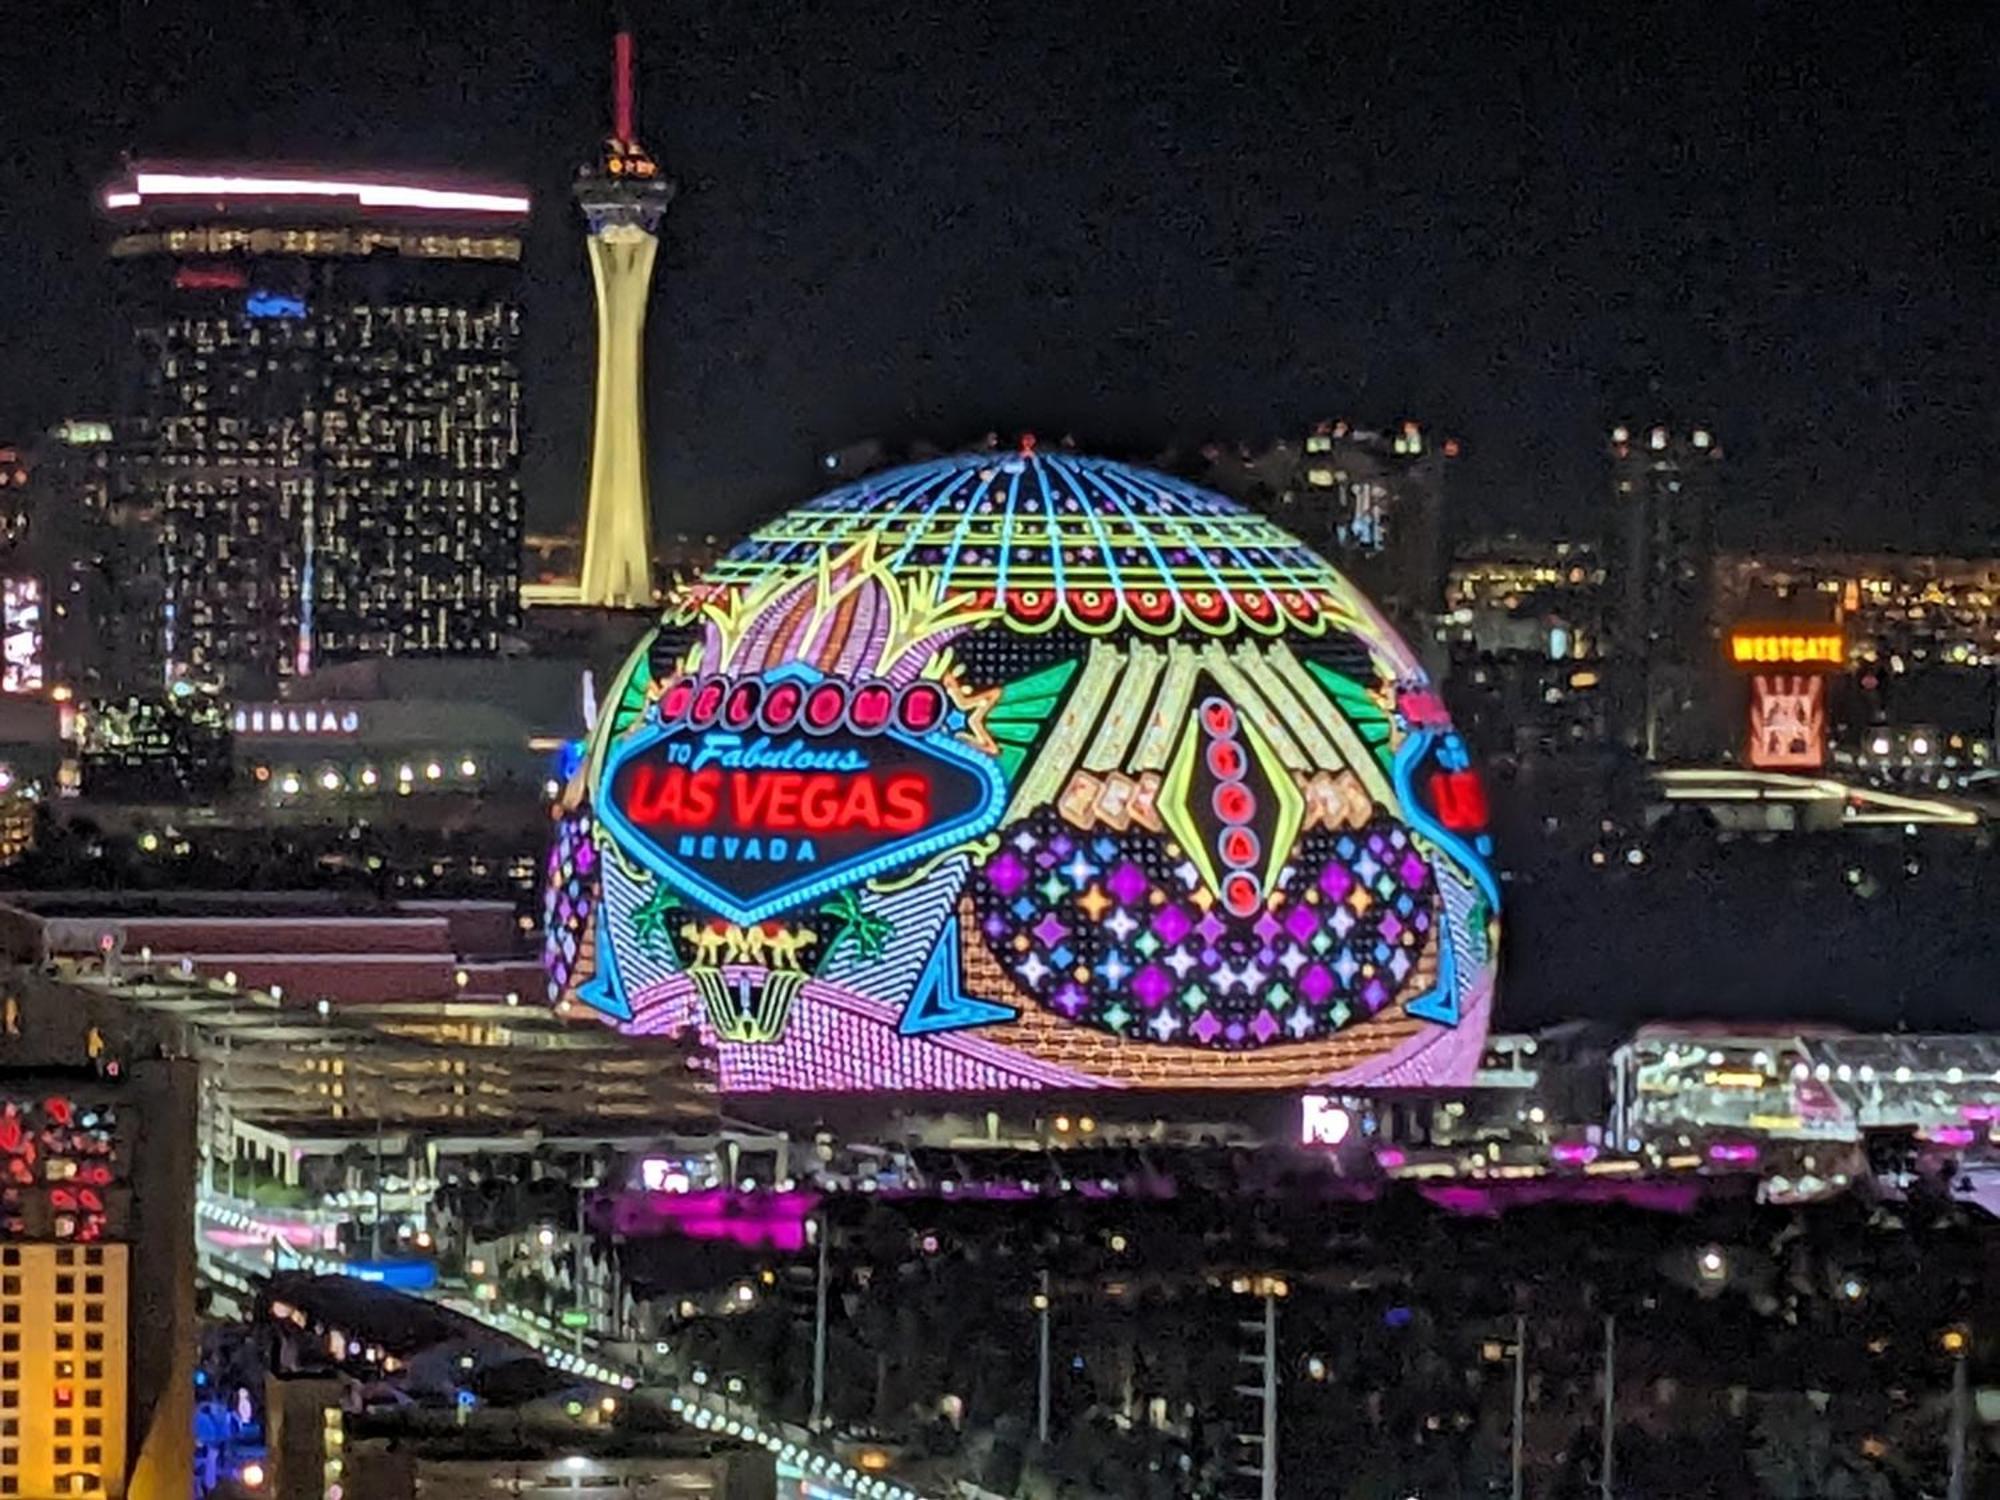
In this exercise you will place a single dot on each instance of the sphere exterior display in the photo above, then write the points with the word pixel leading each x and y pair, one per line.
pixel 1029 771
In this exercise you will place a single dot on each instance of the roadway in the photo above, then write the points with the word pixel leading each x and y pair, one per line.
pixel 236 1243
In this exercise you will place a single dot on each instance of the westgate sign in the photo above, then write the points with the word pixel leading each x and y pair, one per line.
pixel 749 820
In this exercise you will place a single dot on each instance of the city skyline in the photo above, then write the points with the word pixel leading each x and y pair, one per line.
pixel 1635 220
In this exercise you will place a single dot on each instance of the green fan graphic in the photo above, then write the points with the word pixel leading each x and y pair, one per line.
pixel 1360 709
pixel 1026 704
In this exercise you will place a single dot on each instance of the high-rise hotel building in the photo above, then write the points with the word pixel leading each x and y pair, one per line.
pixel 97 1324
pixel 324 398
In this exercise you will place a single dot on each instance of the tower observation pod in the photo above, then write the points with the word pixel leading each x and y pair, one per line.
pixel 622 197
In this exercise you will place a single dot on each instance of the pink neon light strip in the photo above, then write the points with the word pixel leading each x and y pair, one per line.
pixel 368 194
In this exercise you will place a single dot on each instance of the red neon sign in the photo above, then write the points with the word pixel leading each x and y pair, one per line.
pixel 764 802
pixel 210 279
pixel 1459 798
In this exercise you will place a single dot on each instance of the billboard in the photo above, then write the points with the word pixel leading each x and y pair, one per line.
pixel 1814 646
pixel 1787 730
pixel 21 658
pixel 1788 665
pixel 1028 771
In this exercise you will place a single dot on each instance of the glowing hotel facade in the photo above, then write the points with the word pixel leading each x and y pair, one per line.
pixel 324 399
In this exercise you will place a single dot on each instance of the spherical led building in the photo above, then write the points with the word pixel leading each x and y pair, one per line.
pixel 1016 771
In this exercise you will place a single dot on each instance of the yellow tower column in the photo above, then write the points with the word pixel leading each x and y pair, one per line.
pixel 618 533
pixel 622 198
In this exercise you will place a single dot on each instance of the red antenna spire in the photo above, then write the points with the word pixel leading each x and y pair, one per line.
pixel 621 87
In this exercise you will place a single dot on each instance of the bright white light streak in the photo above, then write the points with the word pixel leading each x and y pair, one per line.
pixel 367 194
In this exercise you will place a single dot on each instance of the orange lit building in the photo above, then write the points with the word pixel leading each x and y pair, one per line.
pixel 96 1268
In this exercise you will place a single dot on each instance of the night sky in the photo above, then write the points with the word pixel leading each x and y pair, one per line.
pixel 1142 222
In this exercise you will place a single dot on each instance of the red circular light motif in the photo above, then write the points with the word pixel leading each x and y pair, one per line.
pixel 1031 604
pixel 1240 895
pixel 707 703
pixel 824 705
pixel 868 710
pixel 1218 717
pixel 1238 847
pixel 1225 760
pixel 1093 604
pixel 780 708
pixel 922 707
pixel 1234 802
pixel 740 707
pixel 674 702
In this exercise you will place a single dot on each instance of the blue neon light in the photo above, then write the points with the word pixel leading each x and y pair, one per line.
pixel 1419 818
pixel 274 305
pixel 398 1275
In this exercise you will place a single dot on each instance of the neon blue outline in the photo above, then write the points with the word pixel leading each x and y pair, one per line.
pixel 1418 817
pixel 1440 1002
pixel 968 516
pixel 917 846
pixel 604 991
pixel 938 1003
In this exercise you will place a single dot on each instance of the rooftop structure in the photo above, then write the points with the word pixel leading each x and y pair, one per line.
pixel 320 1025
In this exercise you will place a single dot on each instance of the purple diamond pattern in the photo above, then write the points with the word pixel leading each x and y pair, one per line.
pixel 1128 885
pixel 1193 977
pixel 1152 985
pixel 1335 881
pixel 1007 874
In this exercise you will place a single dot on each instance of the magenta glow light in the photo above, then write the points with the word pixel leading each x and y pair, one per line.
pixel 146 185
pixel 1573 1153
pixel 1733 1153
pixel 1950 1135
